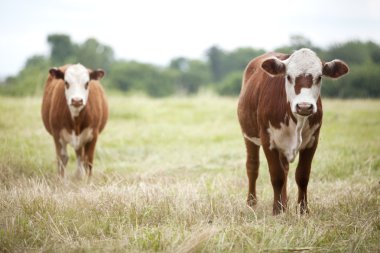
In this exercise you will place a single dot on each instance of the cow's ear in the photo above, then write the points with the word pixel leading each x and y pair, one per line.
pixel 274 66
pixel 97 74
pixel 335 69
pixel 56 73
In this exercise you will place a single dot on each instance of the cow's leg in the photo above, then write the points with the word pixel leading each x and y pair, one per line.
pixel 285 167
pixel 252 165
pixel 278 178
pixel 80 163
pixel 89 150
pixel 302 176
pixel 62 157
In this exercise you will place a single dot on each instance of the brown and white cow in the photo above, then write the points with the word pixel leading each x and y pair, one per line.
pixel 74 111
pixel 280 109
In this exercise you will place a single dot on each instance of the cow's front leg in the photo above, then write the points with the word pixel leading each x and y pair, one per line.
pixel 62 157
pixel 89 150
pixel 278 179
pixel 80 163
pixel 285 167
pixel 252 165
pixel 302 176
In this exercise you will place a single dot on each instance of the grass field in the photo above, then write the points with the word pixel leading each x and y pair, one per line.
pixel 169 176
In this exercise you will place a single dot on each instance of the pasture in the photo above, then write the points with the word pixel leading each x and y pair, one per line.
pixel 169 176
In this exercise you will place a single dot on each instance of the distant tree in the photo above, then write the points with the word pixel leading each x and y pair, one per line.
pixel 30 80
pixel 134 76
pixel 222 71
pixel 297 42
pixel 238 59
pixel 353 52
pixel 93 54
pixel 191 74
pixel 231 85
pixel 224 63
pixel 374 51
pixel 215 60
pixel 179 63
pixel 62 49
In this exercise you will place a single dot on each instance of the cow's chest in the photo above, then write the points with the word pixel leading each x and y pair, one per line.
pixel 76 141
pixel 291 138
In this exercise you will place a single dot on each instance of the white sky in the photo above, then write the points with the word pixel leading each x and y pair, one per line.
pixel 156 31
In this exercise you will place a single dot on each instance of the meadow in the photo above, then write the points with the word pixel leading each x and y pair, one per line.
pixel 169 176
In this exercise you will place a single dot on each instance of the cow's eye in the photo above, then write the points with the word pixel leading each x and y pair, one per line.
pixel 289 78
pixel 67 85
pixel 86 85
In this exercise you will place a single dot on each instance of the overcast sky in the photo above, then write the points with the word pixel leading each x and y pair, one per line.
pixel 156 31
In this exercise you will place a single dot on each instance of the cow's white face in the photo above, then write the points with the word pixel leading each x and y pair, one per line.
pixel 303 81
pixel 77 79
pixel 303 72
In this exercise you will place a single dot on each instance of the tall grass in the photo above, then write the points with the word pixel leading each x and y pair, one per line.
pixel 169 176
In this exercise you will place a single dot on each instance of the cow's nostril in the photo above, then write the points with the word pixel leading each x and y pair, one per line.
pixel 77 101
pixel 304 109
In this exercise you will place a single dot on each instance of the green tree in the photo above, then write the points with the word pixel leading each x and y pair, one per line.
pixel 231 85
pixel 352 52
pixel 93 54
pixel 30 80
pixel 215 60
pixel 134 76
pixel 374 51
pixel 238 59
pixel 62 49
pixel 191 74
pixel 298 41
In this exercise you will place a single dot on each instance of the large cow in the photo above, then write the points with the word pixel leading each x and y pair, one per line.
pixel 280 109
pixel 74 111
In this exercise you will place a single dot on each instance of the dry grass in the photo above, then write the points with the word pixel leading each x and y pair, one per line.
pixel 169 177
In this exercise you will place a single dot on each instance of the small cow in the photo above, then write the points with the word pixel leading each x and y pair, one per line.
pixel 74 111
pixel 280 109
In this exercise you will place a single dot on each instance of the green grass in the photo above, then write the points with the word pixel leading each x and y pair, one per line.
pixel 169 176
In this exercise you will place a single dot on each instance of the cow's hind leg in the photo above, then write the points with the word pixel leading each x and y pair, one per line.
pixel 252 165
pixel 62 157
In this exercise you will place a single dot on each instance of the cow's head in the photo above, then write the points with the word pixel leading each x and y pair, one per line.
pixel 77 79
pixel 303 71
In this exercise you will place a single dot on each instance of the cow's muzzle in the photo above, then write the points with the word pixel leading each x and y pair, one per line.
pixel 304 109
pixel 77 102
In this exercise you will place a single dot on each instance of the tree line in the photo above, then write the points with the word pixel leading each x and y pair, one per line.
pixel 221 71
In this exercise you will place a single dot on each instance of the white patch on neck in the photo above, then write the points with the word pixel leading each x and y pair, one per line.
pixel 76 141
pixel 255 140
pixel 292 138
